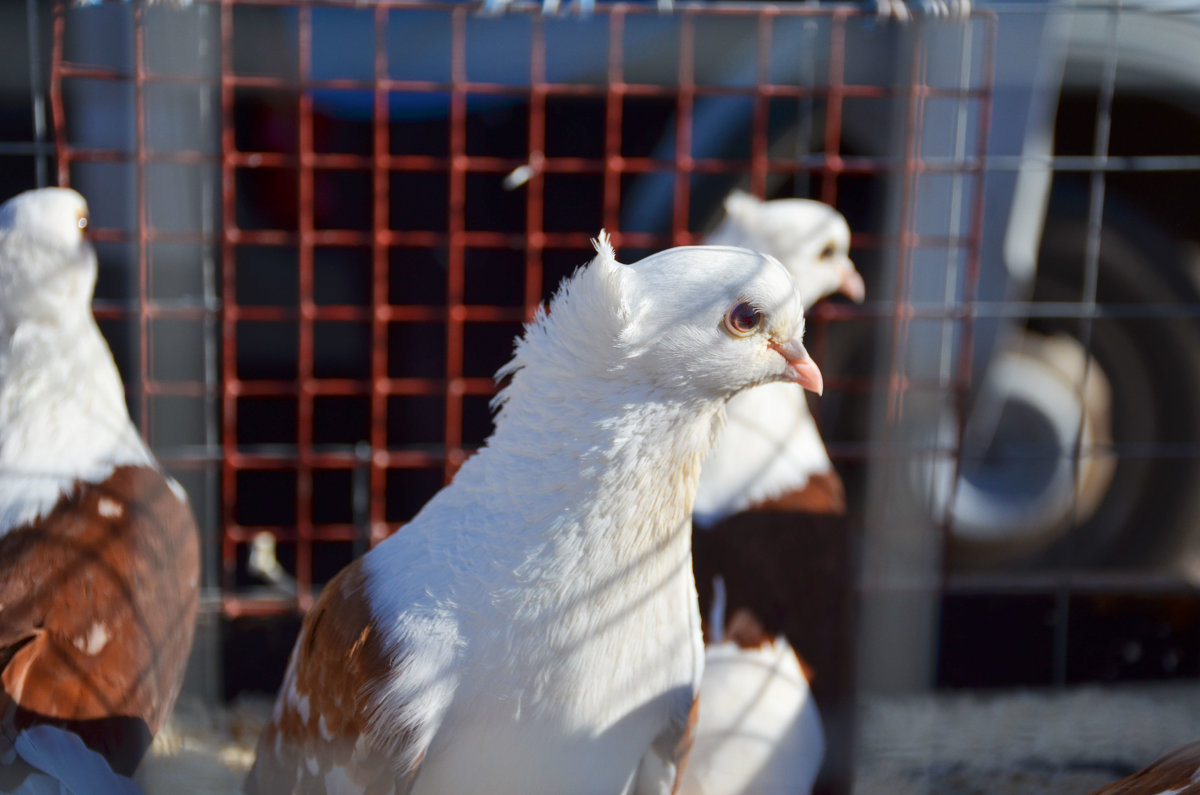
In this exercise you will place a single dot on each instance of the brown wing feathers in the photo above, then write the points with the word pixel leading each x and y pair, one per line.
pixel 320 731
pixel 97 611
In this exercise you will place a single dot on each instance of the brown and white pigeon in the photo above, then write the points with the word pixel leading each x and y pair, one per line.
pixel 99 556
pixel 1176 772
pixel 759 730
pixel 771 448
pixel 535 628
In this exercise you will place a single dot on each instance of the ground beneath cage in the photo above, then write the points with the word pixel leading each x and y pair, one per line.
pixel 1029 742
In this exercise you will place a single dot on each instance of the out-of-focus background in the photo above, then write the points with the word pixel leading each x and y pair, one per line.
pixel 321 224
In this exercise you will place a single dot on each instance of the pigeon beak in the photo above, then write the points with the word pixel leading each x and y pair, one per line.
pixel 852 285
pixel 803 370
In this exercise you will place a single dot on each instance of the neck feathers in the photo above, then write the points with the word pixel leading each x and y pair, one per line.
pixel 62 416
pixel 575 414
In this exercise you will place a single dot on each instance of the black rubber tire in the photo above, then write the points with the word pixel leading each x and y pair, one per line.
pixel 1153 364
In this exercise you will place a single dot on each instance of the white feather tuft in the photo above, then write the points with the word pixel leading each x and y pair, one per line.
pixel 603 245
pixel 586 316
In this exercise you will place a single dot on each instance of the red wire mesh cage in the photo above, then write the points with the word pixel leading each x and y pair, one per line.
pixel 324 224
pixel 380 195
pixel 320 225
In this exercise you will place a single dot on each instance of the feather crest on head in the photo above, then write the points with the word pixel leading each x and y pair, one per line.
pixel 585 317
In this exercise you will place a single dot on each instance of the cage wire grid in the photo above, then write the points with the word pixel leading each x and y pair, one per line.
pixel 225 241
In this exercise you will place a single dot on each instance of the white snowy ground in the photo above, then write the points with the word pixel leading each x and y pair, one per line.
pixel 1023 742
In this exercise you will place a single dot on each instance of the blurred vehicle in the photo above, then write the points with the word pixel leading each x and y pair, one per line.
pixel 1079 450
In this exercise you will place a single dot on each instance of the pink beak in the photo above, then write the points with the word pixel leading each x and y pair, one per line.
pixel 852 285
pixel 804 370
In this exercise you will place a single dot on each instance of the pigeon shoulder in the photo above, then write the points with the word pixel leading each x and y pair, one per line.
pixel 325 733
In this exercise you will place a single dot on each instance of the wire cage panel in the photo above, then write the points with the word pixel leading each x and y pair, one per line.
pixel 334 220
pixel 320 225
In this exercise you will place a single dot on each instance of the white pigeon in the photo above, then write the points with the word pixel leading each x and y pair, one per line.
pixel 759 732
pixel 770 445
pixel 534 629
pixel 99 555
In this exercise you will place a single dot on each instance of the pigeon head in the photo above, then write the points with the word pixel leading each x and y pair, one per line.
pixel 695 322
pixel 716 319
pixel 47 266
pixel 810 238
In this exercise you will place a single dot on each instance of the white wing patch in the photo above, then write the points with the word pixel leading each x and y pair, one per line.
pixel 95 640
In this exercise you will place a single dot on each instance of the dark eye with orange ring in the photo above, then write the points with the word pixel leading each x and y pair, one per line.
pixel 742 319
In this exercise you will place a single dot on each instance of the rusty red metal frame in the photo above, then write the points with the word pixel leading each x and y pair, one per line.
pixel 533 240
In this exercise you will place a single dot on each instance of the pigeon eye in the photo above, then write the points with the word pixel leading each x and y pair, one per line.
pixel 742 319
pixel 81 222
pixel 828 251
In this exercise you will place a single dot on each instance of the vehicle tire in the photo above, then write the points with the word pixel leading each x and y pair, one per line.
pixel 1149 353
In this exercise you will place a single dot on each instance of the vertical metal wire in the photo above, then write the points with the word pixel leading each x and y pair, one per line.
pixel 361 498
pixel 56 97
pixel 684 164
pixel 229 323
pixel 761 110
pixel 833 109
pixel 145 344
pixel 535 238
pixel 380 207
pixel 1091 275
pixel 304 407
pixel 907 239
pixel 954 219
pixel 961 383
pixel 37 102
pixel 956 388
pixel 806 105
pixel 455 311
pixel 614 100
pixel 211 329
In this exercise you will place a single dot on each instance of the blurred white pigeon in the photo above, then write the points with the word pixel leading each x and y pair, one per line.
pixel 99 557
pixel 535 627
pixel 759 730
pixel 770 445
